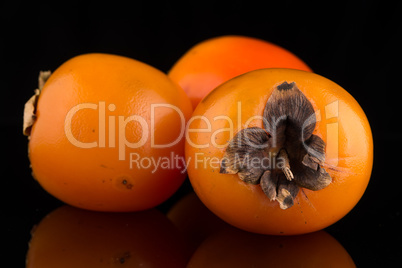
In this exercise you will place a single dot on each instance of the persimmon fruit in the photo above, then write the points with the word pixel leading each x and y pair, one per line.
pixel 100 127
pixel 279 151
pixel 214 61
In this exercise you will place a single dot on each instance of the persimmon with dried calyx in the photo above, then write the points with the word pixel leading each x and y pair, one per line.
pixel 279 151
pixel 99 127
pixel 214 61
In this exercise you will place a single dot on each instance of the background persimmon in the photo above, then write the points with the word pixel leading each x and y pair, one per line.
pixel 239 104
pixel 214 61
pixel 102 124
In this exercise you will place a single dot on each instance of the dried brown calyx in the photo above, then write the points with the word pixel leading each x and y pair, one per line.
pixel 30 105
pixel 284 156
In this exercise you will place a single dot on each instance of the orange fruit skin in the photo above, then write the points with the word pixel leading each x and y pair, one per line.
pixel 341 123
pixel 71 237
pixel 216 60
pixel 96 123
pixel 235 248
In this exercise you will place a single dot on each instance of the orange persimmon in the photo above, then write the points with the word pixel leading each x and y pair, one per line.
pixel 279 151
pixel 102 126
pixel 214 61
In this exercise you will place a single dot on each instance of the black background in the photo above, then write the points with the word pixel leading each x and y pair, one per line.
pixel 355 44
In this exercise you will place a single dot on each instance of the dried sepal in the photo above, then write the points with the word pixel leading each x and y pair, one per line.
pixel 313 176
pixel 287 192
pixel 269 181
pixel 245 155
pixel 278 188
pixel 29 113
pixel 310 161
pixel 288 141
pixel 43 77
pixel 289 114
pixel 313 179
pixel 315 147
pixel 30 106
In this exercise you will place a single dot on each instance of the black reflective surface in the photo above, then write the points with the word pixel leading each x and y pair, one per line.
pixel 354 44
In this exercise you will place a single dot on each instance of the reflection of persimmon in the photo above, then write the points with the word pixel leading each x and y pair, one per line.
pixel 235 248
pixel 71 237
pixel 194 220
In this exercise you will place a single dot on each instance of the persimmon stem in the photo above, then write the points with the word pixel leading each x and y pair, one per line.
pixel 286 165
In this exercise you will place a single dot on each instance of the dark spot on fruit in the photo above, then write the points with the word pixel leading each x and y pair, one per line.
pixel 123 259
pixel 127 184
pixel 124 182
